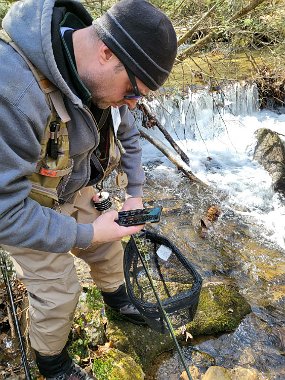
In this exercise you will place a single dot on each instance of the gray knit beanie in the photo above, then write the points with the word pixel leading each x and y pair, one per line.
pixel 142 37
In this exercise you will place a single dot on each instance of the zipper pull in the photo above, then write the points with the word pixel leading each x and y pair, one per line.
pixel 52 148
pixel 120 146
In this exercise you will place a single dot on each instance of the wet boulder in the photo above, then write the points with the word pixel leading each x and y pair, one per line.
pixel 270 153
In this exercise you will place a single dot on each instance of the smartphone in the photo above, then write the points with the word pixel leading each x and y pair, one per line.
pixel 140 216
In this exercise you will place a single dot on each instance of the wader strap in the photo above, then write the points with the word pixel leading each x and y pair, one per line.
pixel 46 86
pixel 59 106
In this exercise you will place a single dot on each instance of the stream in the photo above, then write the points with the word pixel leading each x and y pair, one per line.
pixel 246 246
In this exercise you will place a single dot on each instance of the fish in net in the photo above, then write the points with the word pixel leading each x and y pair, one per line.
pixel 158 277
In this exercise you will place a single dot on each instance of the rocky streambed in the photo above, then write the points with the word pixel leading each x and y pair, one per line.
pixel 238 331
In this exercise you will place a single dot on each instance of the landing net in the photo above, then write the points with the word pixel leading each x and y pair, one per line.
pixel 152 262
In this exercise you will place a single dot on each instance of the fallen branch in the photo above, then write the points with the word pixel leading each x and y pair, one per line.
pixel 201 42
pixel 243 11
pixel 189 34
pixel 173 157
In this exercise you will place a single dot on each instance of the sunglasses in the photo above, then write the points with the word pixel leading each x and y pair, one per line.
pixel 136 94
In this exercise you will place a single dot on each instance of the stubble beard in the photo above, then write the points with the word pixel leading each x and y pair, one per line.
pixel 93 84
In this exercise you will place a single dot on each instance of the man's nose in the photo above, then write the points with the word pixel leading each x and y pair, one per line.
pixel 131 103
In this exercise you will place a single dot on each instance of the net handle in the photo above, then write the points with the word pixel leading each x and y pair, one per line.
pixel 165 316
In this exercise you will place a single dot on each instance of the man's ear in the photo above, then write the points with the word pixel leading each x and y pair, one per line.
pixel 105 54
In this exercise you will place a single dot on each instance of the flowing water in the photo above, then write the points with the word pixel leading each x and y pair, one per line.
pixel 247 244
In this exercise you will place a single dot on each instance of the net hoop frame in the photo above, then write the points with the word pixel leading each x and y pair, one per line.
pixel 183 300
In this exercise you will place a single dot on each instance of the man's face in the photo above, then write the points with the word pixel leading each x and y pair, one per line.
pixel 110 87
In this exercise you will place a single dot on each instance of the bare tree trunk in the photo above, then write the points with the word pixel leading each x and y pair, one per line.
pixel 173 157
pixel 201 42
pixel 213 34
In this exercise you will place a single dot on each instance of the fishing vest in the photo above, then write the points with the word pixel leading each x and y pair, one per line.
pixel 54 165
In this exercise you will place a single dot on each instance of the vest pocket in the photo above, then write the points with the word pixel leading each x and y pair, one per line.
pixel 51 174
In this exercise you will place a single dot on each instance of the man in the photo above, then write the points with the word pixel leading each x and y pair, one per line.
pixel 66 86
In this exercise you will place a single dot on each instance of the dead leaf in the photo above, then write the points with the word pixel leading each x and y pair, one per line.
pixel 188 336
pixel 213 213
pixel 77 328
pixel 102 350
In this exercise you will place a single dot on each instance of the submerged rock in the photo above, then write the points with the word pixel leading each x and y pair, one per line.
pixel 217 373
pixel 237 373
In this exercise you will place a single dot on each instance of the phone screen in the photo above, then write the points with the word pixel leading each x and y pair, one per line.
pixel 136 217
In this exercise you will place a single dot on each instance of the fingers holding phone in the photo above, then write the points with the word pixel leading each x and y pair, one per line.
pixel 106 228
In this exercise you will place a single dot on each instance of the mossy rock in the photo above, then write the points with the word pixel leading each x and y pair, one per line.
pixel 221 308
pixel 113 364
pixel 141 342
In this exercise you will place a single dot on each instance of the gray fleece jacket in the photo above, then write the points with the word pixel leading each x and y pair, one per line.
pixel 23 117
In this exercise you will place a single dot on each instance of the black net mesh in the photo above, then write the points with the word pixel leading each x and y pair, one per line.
pixel 152 259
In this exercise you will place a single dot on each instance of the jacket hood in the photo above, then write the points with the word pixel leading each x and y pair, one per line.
pixel 29 24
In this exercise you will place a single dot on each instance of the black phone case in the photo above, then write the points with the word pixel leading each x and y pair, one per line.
pixel 140 216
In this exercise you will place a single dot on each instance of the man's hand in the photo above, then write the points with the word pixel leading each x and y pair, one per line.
pixel 106 229
pixel 132 204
